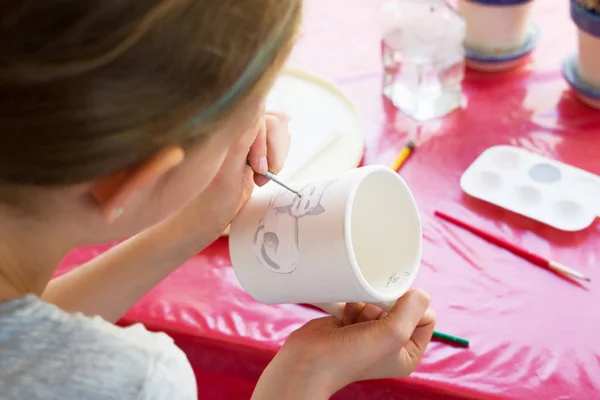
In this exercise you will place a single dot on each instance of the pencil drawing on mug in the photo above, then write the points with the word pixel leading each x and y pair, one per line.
pixel 277 238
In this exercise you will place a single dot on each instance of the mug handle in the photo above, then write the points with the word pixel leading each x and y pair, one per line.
pixel 336 310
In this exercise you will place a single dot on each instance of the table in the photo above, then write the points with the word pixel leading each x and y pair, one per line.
pixel 532 335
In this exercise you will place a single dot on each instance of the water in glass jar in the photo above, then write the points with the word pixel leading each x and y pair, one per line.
pixel 423 59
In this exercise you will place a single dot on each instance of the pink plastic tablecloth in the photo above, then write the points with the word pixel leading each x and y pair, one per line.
pixel 532 335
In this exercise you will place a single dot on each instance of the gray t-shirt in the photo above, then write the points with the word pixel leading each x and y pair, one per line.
pixel 46 353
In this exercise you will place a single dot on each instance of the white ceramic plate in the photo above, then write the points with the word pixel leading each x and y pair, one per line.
pixel 327 133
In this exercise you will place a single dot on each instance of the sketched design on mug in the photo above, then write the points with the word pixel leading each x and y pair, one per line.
pixel 276 240
pixel 395 278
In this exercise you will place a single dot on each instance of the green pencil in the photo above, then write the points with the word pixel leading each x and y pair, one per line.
pixel 450 339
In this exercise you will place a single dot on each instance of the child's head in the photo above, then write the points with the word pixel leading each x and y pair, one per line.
pixel 100 97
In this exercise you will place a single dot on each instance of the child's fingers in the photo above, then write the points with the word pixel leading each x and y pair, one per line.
pixel 283 117
pixel 260 180
pixel 351 313
pixel 369 313
pixel 278 142
pixel 397 327
pixel 422 334
pixel 258 151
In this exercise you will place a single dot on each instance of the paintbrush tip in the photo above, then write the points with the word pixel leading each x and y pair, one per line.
pixel 587 279
pixel 299 195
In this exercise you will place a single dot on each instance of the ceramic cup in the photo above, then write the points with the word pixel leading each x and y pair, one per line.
pixel 354 237
pixel 495 26
pixel 588 23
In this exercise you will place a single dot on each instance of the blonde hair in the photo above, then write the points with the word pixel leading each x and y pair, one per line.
pixel 90 87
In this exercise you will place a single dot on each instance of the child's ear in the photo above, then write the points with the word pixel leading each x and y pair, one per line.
pixel 116 190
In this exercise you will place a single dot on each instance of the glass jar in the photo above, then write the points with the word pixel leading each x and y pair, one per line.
pixel 423 57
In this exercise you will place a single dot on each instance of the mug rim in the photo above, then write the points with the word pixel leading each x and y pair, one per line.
pixel 586 20
pixel 377 295
pixel 499 3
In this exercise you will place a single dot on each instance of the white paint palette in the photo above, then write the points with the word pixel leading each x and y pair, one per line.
pixel 548 191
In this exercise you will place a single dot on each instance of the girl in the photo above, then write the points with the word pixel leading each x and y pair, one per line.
pixel 135 118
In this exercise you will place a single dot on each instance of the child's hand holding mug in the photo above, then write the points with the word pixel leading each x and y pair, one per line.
pixel 327 354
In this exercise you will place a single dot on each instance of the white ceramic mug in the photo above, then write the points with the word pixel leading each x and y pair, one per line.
pixel 354 237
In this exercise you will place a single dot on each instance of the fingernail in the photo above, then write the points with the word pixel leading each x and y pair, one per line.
pixel 424 294
pixel 383 315
pixel 261 180
pixel 263 165
pixel 116 214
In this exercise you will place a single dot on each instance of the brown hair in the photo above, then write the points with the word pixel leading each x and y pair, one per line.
pixel 89 87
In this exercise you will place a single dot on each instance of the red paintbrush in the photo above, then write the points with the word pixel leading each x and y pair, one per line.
pixel 533 258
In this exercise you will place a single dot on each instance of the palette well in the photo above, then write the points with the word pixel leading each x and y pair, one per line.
pixel 548 191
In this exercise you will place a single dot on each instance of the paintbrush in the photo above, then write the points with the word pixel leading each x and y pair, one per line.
pixel 271 176
pixel 516 250
pixel 403 155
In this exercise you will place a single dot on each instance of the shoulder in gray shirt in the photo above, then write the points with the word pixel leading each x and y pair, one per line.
pixel 46 353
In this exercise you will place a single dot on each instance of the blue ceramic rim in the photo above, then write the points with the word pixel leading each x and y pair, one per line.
pixel 571 74
pixel 586 20
pixel 500 2
pixel 533 37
